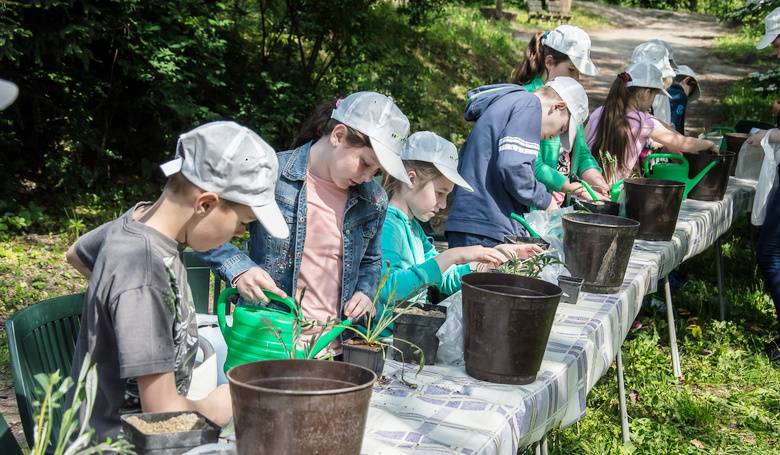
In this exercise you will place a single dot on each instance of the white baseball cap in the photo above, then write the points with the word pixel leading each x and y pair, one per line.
pixel 237 164
pixel 655 52
pixel 575 43
pixel 432 148
pixel 771 27
pixel 645 74
pixel 377 116
pixel 8 93
pixel 684 70
pixel 572 93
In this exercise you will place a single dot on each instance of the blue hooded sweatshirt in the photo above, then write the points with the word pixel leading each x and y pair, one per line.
pixel 497 160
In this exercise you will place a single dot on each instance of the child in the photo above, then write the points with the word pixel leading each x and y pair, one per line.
pixel 334 209
pixel 622 126
pixel 658 53
pixel 139 320
pixel 497 159
pixel 563 52
pixel 432 167
pixel 684 89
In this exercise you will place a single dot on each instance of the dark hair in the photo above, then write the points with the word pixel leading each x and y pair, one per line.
pixel 613 131
pixel 532 63
pixel 424 169
pixel 320 124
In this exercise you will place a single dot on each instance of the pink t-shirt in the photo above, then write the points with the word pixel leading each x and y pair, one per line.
pixel 641 124
pixel 321 264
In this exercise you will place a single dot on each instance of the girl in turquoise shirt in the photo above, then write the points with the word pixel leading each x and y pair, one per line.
pixel 432 166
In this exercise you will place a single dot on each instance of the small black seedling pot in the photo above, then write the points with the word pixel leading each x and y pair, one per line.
pixel 168 443
pixel 571 288
pixel 419 329
pixel 363 355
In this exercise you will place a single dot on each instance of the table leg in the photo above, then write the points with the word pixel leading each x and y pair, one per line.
pixel 544 445
pixel 719 268
pixel 672 329
pixel 538 448
pixel 622 396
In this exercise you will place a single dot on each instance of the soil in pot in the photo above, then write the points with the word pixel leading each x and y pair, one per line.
pixel 598 248
pixel 418 326
pixel 357 352
pixel 712 186
pixel 168 432
pixel 300 406
pixel 655 204
pixel 506 324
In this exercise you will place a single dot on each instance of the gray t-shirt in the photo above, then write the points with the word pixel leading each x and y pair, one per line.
pixel 138 317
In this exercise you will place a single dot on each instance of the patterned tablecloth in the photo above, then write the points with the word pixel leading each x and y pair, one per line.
pixel 450 412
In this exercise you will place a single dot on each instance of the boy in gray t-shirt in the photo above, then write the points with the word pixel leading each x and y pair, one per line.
pixel 138 321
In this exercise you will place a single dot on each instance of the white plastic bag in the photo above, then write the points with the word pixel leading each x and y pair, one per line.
pixel 749 162
pixel 450 336
pixel 767 180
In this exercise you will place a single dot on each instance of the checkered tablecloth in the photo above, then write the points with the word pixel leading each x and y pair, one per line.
pixel 450 412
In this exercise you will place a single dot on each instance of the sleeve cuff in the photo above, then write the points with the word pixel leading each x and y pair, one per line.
pixel 235 266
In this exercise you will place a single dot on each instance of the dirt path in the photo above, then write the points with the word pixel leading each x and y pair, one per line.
pixel 691 36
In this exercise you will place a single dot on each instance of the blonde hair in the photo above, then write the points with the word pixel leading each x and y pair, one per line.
pixel 425 171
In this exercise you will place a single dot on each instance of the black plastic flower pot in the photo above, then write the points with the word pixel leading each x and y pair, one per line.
pixel 712 186
pixel 734 142
pixel 655 204
pixel 168 443
pixel 506 324
pixel 371 357
pixel 516 239
pixel 571 288
pixel 598 248
pixel 300 406
pixel 602 207
pixel 418 328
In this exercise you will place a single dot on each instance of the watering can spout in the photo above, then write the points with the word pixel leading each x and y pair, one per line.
pixel 326 338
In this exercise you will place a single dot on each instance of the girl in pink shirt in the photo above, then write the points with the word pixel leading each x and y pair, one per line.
pixel 623 126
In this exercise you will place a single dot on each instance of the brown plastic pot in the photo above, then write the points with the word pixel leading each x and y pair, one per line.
pixel 713 186
pixel 300 406
pixel 655 204
pixel 597 248
pixel 506 324
pixel 734 142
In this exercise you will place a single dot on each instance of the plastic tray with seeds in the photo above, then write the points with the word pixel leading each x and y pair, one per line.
pixel 168 432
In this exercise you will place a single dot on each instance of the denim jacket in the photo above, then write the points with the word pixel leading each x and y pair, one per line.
pixel 281 258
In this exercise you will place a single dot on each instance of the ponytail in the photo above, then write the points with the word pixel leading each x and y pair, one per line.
pixel 613 129
pixel 532 64
pixel 320 124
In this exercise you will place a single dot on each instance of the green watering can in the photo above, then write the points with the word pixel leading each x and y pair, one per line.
pixel 250 338
pixel 677 172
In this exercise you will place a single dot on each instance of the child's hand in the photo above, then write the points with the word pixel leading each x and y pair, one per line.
pixel 576 189
pixel 755 139
pixel 357 306
pixel 522 251
pixel 251 283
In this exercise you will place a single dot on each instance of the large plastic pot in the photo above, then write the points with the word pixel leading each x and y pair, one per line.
pixel 713 186
pixel 655 204
pixel 506 324
pixel 598 248
pixel 420 330
pixel 300 406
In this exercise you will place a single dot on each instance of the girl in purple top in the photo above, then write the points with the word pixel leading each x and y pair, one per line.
pixel 623 125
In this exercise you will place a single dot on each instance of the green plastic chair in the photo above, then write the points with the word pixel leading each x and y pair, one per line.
pixel 199 278
pixel 41 339
pixel 8 444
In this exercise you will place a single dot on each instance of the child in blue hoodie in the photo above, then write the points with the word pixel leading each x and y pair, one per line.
pixel 432 165
pixel 497 159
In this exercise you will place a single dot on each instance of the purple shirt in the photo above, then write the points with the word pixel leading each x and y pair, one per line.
pixel 641 124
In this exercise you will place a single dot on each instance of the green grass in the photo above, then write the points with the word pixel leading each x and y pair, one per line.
pixel 740 48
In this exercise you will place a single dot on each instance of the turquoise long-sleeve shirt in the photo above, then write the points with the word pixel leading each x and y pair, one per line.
pixel 411 254
pixel 546 166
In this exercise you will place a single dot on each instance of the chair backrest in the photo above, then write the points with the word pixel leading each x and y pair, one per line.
pixel 199 278
pixel 42 339
pixel 8 444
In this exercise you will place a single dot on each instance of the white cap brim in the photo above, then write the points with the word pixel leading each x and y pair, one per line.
pixel 390 161
pixel 453 176
pixel 567 138
pixel 272 220
pixel 8 93
pixel 767 39
pixel 585 66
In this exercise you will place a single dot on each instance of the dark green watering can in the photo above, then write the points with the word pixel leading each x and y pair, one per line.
pixel 251 337
pixel 677 172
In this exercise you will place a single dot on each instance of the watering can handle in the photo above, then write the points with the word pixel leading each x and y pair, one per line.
pixel 615 190
pixel 669 156
pixel 222 302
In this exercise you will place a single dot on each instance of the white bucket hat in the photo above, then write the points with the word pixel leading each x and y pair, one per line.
pixel 575 43
pixel 8 93
pixel 684 70
pixel 432 148
pixel 657 53
pixel 645 74
pixel 377 116
pixel 237 164
pixel 572 93
pixel 771 29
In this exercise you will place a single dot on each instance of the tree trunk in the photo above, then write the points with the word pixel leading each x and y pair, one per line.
pixel 499 8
